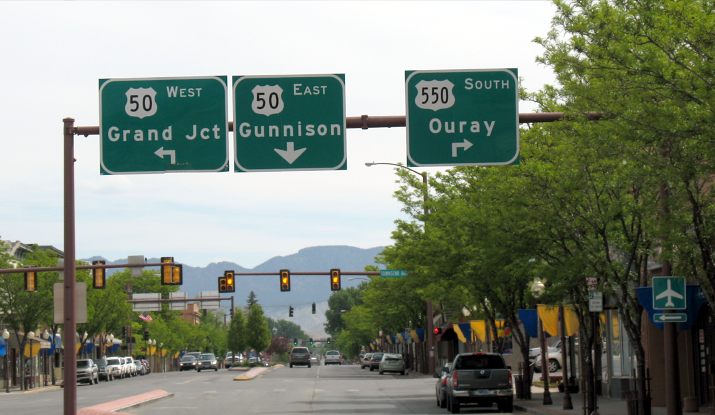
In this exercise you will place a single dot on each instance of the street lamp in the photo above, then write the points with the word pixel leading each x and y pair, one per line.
pixel 537 290
pixel 425 198
pixel 6 336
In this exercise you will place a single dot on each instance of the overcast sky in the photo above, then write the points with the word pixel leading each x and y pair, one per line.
pixel 53 53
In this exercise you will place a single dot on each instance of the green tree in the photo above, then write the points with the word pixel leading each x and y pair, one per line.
pixel 259 335
pixel 251 300
pixel 237 332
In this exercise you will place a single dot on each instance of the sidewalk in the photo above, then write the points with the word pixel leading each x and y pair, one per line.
pixel 606 406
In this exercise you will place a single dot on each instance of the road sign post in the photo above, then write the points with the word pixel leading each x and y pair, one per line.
pixel 462 117
pixel 160 125
pixel 292 122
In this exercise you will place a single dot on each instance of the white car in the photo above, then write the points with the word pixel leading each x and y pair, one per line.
pixel 131 368
pixel 333 357
pixel 114 366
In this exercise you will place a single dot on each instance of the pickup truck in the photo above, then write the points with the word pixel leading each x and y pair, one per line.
pixel 479 378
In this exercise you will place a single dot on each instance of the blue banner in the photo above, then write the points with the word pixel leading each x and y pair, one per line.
pixel 3 347
pixel 530 321
pixel 695 299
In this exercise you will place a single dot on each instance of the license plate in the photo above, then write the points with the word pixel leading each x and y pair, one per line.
pixel 482 391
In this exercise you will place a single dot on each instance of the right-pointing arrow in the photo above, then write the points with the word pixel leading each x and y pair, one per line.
pixel 290 154
pixel 465 145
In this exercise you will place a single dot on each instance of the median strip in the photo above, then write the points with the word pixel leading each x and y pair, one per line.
pixel 112 407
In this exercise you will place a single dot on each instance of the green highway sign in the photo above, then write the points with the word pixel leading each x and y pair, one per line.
pixel 393 273
pixel 669 293
pixel 462 117
pixel 159 125
pixel 292 122
pixel 670 318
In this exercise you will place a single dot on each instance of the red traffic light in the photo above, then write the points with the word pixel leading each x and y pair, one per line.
pixel 437 331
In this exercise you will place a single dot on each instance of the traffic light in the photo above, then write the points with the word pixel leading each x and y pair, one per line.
pixel 290 311
pixel 295 342
pixel 146 334
pixel 124 332
pixel 285 280
pixel 328 340
pixel 313 308
pixel 311 341
pixel 177 275
pixel 167 272
pixel 31 281
pixel 437 331
pixel 335 279
pixel 230 281
pixel 99 278
pixel 222 284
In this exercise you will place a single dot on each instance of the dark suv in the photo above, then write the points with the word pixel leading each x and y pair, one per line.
pixel 300 356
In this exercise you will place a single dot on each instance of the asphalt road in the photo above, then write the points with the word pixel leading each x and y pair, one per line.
pixel 317 390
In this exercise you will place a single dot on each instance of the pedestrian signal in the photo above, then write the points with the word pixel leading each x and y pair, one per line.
pixel 290 311
pixel 285 280
pixel 99 277
pixel 313 308
pixel 335 279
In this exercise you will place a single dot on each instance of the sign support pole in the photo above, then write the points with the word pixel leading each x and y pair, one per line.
pixel 70 322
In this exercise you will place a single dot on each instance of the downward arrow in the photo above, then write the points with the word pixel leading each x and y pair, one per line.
pixel 466 145
pixel 290 154
pixel 171 153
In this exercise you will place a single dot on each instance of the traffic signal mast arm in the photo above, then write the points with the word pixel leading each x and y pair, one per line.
pixel 388 121
pixel 50 269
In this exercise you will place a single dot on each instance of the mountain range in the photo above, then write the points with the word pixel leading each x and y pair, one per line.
pixel 305 290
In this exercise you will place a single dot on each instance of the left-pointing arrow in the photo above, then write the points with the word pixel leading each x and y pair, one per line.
pixel 290 154
pixel 171 153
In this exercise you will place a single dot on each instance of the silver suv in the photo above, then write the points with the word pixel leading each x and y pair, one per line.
pixel 300 356
pixel 87 371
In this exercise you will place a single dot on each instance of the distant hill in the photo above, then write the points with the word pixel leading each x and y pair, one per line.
pixel 305 290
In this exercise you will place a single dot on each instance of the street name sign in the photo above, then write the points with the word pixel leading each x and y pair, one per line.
pixel 393 273
pixel 159 125
pixel 462 117
pixel 670 318
pixel 669 293
pixel 291 122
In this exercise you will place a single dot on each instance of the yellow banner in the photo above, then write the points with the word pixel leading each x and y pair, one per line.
pixel 479 328
pixel 571 321
pixel 400 338
pixel 415 337
pixel 549 316
pixel 32 351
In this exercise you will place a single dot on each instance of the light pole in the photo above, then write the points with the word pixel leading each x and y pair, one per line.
pixel 425 198
pixel 6 337
pixel 537 290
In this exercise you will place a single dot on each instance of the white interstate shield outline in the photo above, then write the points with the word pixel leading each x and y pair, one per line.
pixel 141 102
pixel 267 99
pixel 434 95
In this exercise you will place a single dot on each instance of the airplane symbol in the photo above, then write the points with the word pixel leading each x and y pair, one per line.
pixel 669 293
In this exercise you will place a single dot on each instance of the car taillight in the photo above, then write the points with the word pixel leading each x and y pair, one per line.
pixel 455 380
pixel 444 380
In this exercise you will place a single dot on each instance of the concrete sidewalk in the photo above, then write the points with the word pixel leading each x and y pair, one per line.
pixel 606 406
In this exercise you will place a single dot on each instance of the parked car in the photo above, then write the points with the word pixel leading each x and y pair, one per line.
pixel 87 371
pixel 375 360
pixel 104 371
pixel 131 369
pixel 300 356
pixel 232 359
pixel 440 388
pixel 141 370
pixel 479 378
pixel 207 361
pixel 333 357
pixel 365 360
pixel 314 359
pixel 392 362
pixel 115 366
pixel 187 362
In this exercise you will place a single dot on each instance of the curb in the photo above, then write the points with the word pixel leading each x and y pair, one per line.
pixel 251 374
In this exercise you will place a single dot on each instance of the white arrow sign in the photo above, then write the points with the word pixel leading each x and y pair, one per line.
pixel 466 145
pixel 673 317
pixel 290 154
pixel 171 153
